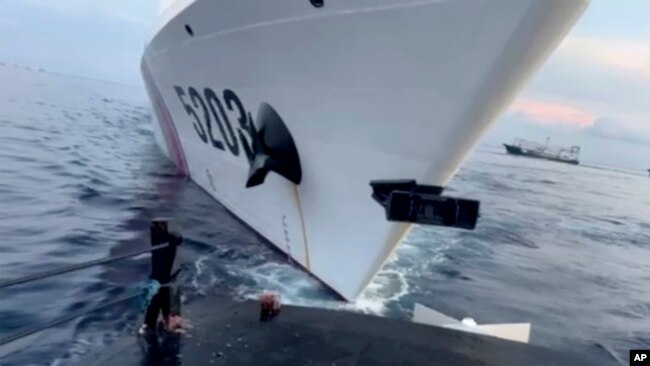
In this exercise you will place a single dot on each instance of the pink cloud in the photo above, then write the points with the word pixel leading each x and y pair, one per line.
pixel 553 113
pixel 625 55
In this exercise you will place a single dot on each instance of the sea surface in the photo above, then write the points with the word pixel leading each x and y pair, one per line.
pixel 564 247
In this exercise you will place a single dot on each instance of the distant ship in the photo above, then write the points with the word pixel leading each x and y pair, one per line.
pixel 535 150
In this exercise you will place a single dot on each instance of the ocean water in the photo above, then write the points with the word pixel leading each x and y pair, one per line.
pixel 566 248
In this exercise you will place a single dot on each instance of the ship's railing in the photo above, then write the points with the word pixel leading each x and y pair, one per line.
pixel 163 263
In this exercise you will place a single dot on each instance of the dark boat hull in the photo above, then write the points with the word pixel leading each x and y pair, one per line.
pixel 516 150
pixel 229 333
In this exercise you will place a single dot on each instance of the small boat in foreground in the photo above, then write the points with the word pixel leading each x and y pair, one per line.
pixel 535 150
pixel 302 335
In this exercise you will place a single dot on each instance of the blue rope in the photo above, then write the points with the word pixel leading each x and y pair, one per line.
pixel 149 289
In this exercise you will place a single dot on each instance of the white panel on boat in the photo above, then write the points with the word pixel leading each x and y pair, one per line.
pixel 517 332
pixel 425 315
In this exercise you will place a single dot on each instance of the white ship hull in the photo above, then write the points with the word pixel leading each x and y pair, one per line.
pixel 369 89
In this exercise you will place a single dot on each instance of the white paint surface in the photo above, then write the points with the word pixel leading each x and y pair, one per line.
pixel 382 89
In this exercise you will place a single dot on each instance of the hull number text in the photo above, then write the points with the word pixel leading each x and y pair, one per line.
pixel 211 119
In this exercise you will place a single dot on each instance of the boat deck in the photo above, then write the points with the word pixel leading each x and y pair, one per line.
pixel 230 333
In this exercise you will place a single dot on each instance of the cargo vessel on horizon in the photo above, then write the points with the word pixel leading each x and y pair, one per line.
pixel 531 149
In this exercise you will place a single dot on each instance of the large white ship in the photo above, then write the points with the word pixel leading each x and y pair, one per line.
pixel 305 102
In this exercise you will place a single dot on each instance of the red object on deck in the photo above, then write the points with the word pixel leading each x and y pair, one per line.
pixel 269 305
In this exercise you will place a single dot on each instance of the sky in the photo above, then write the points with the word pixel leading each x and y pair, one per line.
pixel 594 91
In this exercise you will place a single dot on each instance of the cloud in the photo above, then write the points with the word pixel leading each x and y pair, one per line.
pixel 165 4
pixel 67 7
pixel 139 14
pixel 618 130
pixel 589 78
pixel 560 118
pixel 629 56
pixel 7 22
pixel 552 113
pixel 125 16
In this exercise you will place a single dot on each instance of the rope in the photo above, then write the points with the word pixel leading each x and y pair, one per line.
pixel 150 289
pixel 76 267
pixel 28 330
pixel 147 290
